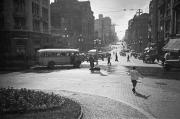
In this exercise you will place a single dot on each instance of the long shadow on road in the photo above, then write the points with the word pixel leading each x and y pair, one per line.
pixel 158 72
pixel 47 70
pixel 138 94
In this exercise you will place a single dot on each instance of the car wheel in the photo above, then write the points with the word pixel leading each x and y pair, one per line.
pixel 166 68
pixel 77 64
pixel 51 65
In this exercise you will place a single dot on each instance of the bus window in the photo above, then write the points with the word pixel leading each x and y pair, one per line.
pixel 63 54
pixel 58 54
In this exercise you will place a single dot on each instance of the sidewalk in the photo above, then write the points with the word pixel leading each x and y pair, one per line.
pixel 97 107
pixel 157 97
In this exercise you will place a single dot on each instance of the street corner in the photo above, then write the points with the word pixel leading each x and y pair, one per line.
pixel 94 106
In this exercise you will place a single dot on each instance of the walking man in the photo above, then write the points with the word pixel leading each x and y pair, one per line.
pixel 128 58
pixel 109 59
pixel 91 60
pixel 116 59
pixel 134 77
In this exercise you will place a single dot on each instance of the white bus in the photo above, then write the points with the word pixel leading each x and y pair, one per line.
pixel 52 57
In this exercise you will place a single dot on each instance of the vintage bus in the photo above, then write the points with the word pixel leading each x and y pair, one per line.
pixel 52 57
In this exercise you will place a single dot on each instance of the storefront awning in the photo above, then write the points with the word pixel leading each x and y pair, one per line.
pixel 173 45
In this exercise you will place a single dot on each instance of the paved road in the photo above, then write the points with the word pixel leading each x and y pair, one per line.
pixel 158 94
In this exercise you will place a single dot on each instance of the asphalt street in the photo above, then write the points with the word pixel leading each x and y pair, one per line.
pixel 108 92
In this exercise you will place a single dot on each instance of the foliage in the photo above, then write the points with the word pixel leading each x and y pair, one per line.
pixel 25 100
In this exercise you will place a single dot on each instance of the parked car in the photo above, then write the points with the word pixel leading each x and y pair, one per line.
pixel 141 56
pixel 122 53
pixel 134 54
pixel 172 63
pixel 150 58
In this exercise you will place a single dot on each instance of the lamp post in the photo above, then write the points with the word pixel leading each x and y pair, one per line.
pixel 97 43
pixel 66 36
pixel 140 43
pixel 80 40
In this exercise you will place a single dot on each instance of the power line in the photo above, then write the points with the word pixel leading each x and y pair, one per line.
pixel 124 10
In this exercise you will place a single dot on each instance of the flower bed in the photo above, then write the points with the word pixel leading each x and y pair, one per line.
pixel 25 101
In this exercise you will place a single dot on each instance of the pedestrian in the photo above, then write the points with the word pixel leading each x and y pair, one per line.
pixel 166 57
pixel 128 58
pixel 134 78
pixel 109 59
pixel 116 59
pixel 91 60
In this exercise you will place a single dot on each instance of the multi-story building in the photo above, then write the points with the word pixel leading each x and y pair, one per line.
pixel 104 30
pixel 99 28
pixel 72 24
pixel 87 25
pixel 176 18
pixel 153 23
pixel 138 32
pixel 25 27
pixel 168 22
pixel 113 37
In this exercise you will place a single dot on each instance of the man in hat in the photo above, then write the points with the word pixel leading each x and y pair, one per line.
pixel 134 78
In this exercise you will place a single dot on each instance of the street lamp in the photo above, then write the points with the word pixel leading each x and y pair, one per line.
pixel 65 36
pixel 140 43
pixel 80 40
pixel 97 43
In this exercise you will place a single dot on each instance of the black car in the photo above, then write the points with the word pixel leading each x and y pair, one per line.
pixel 173 63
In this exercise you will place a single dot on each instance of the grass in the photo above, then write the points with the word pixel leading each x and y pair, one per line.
pixel 30 104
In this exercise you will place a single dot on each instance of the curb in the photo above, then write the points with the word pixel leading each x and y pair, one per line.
pixel 81 113
pixel 145 113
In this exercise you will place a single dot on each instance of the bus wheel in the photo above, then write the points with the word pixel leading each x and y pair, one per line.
pixel 166 68
pixel 51 65
pixel 77 64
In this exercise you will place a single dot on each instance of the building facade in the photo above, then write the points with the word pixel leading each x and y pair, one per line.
pixel 138 32
pixel 105 30
pixel 153 23
pixel 87 34
pixel 163 25
pixel 168 22
pixel 25 28
pixel 72 24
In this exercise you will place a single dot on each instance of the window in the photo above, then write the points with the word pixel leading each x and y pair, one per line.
pixel 45 27
pixel 36 25
pixel 45 2
pixel 178 22
pixel 44 13
pixel 19 23
pixel 19 5
pixel 35 9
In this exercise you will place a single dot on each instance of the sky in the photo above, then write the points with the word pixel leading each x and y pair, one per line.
pixel 114 10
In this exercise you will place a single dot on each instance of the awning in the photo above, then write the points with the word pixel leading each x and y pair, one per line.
pixel 173 45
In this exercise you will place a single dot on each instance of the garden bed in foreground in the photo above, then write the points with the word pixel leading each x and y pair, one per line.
pixel 31 104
